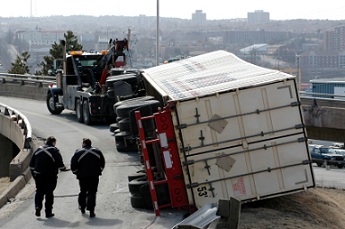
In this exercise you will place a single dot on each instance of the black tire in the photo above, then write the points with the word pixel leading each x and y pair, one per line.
pixel 124 125
pixel 111 93
pixel 124 110
pixel 120 137
pixel 135 185
pixel 79 111
pixel 86 113
pixel 340 166
pixel 118 119
pixel 51 104
pixel 162 192
pixel 137 202
pixel 148 124
pixel 146 196
pixel 132 100
pixel 113 127
pixel 125 143
pixel 133 148
pixel 136 176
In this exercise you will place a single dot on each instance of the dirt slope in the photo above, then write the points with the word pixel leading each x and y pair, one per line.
pixel 315 208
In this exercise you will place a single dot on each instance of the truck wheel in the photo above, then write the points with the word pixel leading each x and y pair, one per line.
pixel 79 111
pixel 113 127
pixel 162 192
pixel 86 113
pixel 124 125
pixel 340 166
pixel 124 110
pixel 136 176
pixel 135 184
pixel 51 104
pixel 137 202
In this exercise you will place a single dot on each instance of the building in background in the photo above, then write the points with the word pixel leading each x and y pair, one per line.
pixel 199 17
pixel 258 17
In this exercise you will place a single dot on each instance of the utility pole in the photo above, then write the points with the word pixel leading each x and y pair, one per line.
pixel 298 73
pixel 157 45
pixel 30 8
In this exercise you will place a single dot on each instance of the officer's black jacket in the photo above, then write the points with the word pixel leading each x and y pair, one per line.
pixel 87 162
pixel 46 161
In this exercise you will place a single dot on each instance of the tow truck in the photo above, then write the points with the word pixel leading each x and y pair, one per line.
pixel 81 85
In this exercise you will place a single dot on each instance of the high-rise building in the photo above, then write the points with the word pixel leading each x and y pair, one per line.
pixel 199 17
pixel 258 17
pixel 339 38
pixel 329 40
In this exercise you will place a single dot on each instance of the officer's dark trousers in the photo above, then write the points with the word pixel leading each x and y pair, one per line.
pixel 45 186
pixel 87 195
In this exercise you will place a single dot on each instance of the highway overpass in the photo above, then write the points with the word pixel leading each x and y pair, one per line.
pixel 324 118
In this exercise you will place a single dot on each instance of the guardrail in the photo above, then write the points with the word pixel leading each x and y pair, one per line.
pixel 322 99
pixel 25 86
pixel 26 78
pixel 321 95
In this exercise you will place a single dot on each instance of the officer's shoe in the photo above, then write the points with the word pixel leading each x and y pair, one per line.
pixel 38 212
pixel 49 214
pixel 92 214
pixel 82 210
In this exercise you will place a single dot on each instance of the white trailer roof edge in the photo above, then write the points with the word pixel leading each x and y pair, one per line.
pixel 210 73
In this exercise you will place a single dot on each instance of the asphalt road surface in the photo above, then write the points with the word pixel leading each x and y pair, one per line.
pixel 113 208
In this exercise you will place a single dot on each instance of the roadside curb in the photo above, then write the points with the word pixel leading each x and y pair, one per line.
pixel 19 182
pixel 15 187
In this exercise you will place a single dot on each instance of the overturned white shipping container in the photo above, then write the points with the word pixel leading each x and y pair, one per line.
pixel 239 127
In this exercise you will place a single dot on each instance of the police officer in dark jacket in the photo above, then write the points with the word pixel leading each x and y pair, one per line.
pixel 45 164
pixel 87 163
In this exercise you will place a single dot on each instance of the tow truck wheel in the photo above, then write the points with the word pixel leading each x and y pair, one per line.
pixel 51 104
pixel 86 113
pixel 79 111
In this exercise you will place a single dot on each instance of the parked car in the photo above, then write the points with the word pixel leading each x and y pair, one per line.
pixel 337 145
pixel 340 151
pixel 325 155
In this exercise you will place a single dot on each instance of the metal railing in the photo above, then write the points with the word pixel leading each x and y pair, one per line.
pixel 322 99
pixel 321 95
pixel 26 79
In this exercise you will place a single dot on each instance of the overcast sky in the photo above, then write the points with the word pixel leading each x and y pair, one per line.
pixel 215 9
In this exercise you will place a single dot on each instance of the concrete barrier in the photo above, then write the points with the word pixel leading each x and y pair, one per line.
pixel 16 127
pixel 34 90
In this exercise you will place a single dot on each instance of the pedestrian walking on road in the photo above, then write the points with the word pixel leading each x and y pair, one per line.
pixel 45 164
pixel 87 164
